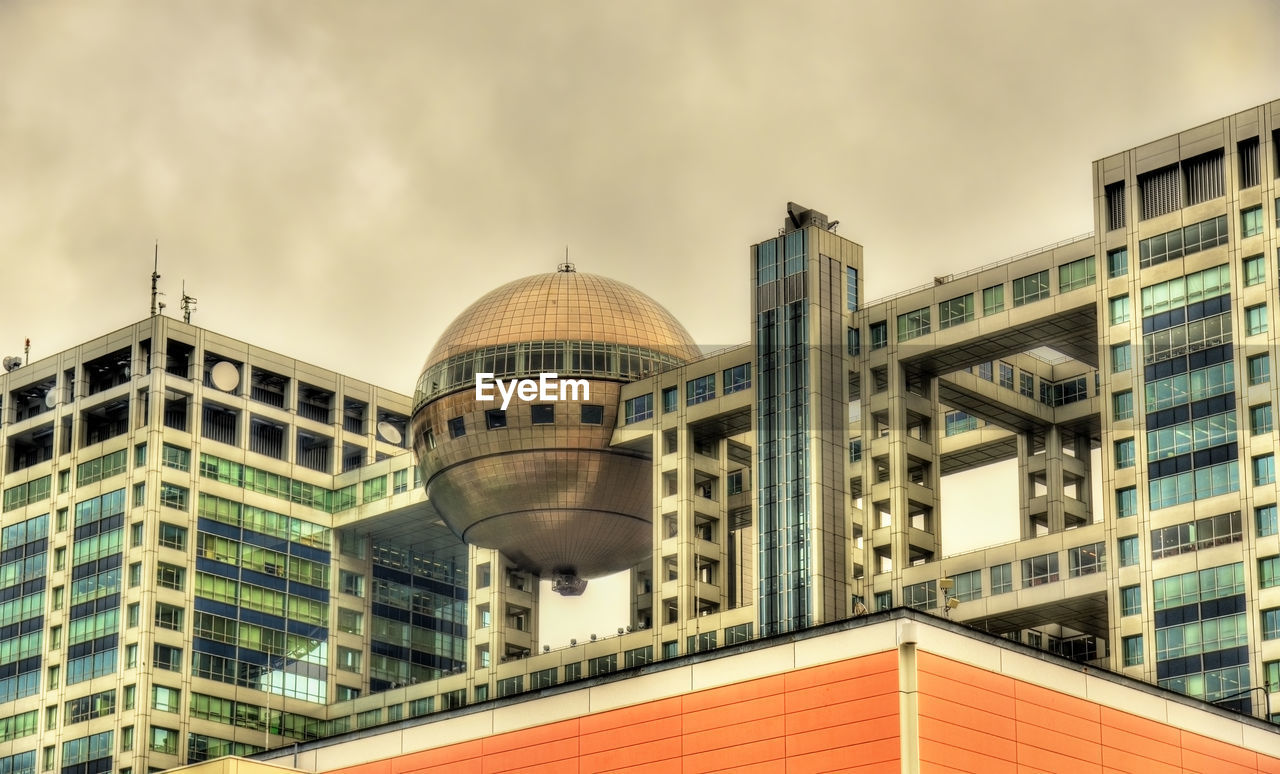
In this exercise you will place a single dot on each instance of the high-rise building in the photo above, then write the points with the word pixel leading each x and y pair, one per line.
pixel 211 548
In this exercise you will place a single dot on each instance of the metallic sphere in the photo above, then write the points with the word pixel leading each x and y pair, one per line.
pixel 539 480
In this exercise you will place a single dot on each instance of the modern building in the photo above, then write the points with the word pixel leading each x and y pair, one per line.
pixel 211 548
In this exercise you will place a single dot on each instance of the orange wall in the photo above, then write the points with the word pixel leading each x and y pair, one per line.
pixel 837 716
pixel 977 721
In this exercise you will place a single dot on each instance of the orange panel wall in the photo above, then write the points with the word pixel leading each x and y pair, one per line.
pixel 841 716
pixel 976 721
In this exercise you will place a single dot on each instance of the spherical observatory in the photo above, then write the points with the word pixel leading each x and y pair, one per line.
pixel 514 411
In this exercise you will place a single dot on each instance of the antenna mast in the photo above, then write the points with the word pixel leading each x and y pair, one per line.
pixel 188 304
pixel 155 281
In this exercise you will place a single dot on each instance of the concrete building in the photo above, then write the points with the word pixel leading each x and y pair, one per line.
pixel 210 548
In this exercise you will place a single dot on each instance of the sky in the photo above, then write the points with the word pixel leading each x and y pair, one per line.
pixel 337 181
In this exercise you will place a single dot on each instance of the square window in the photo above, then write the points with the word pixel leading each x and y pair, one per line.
pixel 593 415
pixel 1132 650
pixel 1255 319
pixel 457 427
pixel 1122 405
pixel 1121 358
pixel 544 413
pixel 495 419
pixel 1259 367
pixel 1128 549
pixel 173 536
pixel 1119 310
pixel 1260 419
pixel 1255 269
pixel 1032 287
pixel 700 390
pixel 1131 600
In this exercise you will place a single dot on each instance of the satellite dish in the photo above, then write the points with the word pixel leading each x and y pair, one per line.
pixel 10 362
pixel 51 397
pixel 389 432
pixel 225 376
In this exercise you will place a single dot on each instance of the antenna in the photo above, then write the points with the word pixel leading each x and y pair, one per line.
pixel 26 350
pixel 155 281
pixel 566 267
pixel 188 304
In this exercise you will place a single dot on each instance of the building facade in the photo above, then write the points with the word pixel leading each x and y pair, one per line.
pixel 211 548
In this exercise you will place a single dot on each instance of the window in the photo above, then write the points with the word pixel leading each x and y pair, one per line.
pixel 851 288
pixel 1251 221
pixel 1077 274
pixel 1271 623
pixel 1255 318
pixel 1122 405
pixel 166 699
pixel 1132 648
pixel 457 427
pixel 992 299
pixel 1260 419
pixel 1182 241
pixel 883 600
pixel 164 740
pixel 1126 502
pixel 1272 679
pixel 1269 572
pixel 173 536
pixel 175 457
pixel 1131 600
pixel 594 415
pixel 1026 384
pixel 1259 369
pixel 879 334
pixel 173 496
pixel 135 575
pixel 545 413
pixel 495 419
pixel 955 311
pixel 1265 518
pixel 167 657
pixel 737 378
pixel 1124 453
pixel 349 659
pixel 169 576
pixel 670 399
pixel 350 621
pixel 1255 269
pixel 1118 262
pixel 169 616
pixel 1121 357
pixel 1264 470
pixel 1039 570
pixel 351 583
pixel 1128 550
pixel 700 390
pixel 968 585
pixel 913 324
pixel 135 535
pixel 1032 287
pixel 1002 578
pixel 399 481
pixel 639 408
pixel 1119 310
pixel 1006 375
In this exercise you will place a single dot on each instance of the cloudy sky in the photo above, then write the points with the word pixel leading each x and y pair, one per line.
pixel 336 181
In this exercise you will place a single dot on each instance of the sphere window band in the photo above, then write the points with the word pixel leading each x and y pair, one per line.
pixel 575 358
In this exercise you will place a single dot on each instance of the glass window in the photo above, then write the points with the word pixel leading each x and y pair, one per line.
pixel 1086 560
pixel 1077 274
pixel 1251 221
pixel 1265 518
pixel 173 496
pixel 1124 453
pixel 638 408
pixel 1002 578
pixel 1026 384
pixel 1118 262
pixel 1132 650
pixel 879 334
pixel 1271 623
pixel 169 616
pixel 955 311
pixel 1259 369
pixel 457 427
pixel 737 378
pixel 1039 570
pixel 592 414
pixel 1260 419
pixel 1255 318
pixel 1032 287
pixel 968 585
pixel 349 659
pixel 1131 600
pixel 1126 502
pixel 495 419
pixel 913 324
pixel 1119 310
pixel 993 299
pixel 851 288
pixel 1269 572
pixel 1121 357
pixel 164 740
pixel 1264 470
pixel 1006 375
pixel 1255 269
pixel 700 390
pixel 670 399
pixel 173 536
pixel 1122 405
pixel 166 699
pixel 1128 549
